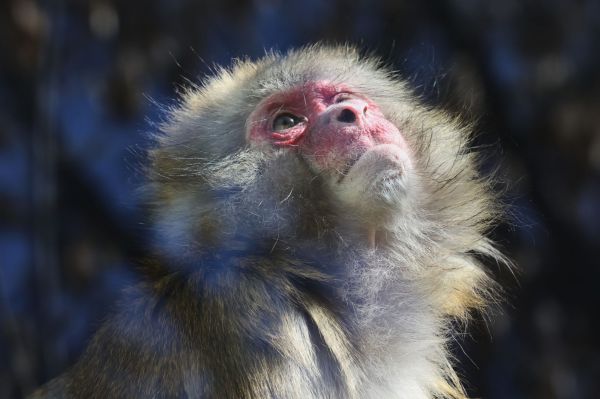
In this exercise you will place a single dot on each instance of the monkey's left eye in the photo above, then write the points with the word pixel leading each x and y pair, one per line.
pixel 285 121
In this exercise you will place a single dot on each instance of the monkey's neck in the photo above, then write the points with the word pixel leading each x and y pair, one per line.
pixel 362 233
pixel 371 237
pixel 376 237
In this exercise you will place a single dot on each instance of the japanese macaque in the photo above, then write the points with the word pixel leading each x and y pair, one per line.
pixel 320 232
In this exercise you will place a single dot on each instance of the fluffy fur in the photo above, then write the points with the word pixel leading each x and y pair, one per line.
pixel 267 289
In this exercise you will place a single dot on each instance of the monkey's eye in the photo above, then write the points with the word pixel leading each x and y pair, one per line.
pixel 285 121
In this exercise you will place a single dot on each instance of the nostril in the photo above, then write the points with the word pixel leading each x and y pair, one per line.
pixel 346 116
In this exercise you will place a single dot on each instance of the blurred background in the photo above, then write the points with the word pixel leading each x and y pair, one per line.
pixel 80 82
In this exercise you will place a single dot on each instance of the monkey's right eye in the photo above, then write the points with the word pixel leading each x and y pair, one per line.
pixel 285 121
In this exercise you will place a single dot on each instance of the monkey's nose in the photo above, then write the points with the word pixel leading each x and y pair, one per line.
pixel 346 116
pixel 349 112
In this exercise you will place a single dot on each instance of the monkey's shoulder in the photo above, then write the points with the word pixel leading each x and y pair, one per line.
pixel 203 333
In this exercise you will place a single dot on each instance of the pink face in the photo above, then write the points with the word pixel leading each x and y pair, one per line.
pixel 330 125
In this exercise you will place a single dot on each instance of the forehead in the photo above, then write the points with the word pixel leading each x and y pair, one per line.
pixel 320 73
pixel 309 91
pixel 296 71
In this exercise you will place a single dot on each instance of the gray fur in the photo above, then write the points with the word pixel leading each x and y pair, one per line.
pixel 266 291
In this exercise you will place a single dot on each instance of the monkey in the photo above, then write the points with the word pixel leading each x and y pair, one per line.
pixel 319 232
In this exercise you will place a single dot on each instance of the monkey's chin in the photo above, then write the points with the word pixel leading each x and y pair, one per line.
pixel 376 186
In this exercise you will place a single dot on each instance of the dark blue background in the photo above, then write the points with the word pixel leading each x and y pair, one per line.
pixel 79 83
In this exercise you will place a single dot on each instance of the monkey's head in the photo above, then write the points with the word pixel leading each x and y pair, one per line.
pixel 319 147
pixel 344 137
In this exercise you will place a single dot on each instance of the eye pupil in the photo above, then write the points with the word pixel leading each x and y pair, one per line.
pixel 285 121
